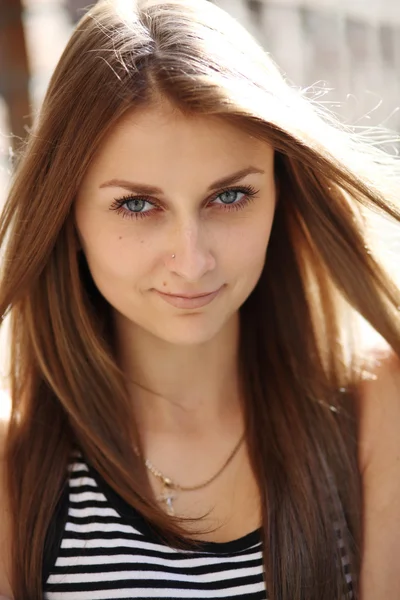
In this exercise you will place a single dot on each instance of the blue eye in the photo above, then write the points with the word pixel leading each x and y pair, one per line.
pixel 229 196
pixel 133 207
pixel 136 205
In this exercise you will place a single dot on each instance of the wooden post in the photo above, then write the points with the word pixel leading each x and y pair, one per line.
pixel 14 69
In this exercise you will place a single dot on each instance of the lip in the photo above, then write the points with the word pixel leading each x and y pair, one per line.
pixel 186 301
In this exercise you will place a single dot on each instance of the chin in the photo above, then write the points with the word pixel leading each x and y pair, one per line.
pixel 188 333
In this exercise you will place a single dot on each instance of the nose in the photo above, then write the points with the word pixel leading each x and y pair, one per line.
pixel 193 256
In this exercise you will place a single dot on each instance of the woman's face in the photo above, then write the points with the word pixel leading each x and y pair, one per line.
pixel 155 189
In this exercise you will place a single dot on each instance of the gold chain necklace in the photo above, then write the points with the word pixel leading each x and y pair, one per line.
pixel 169 487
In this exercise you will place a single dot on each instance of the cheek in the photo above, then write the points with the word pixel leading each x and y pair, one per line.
pixel 112 256
pixel 248 249
pixel 118 273
pixel 114 262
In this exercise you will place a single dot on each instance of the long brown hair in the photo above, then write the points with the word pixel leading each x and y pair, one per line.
pixel 300 369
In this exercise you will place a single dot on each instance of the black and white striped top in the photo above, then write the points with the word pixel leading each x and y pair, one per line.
pixel 102 549
pixel 99 548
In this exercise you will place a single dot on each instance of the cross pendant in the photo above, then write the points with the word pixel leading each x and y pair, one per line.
pixel 167 496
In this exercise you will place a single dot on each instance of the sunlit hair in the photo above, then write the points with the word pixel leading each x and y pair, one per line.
pixel 300 365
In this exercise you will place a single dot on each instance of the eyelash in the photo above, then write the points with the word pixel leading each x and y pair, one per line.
pixel 118 204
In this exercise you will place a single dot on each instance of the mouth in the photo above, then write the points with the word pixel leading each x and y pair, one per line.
pixel 189 300
pixel 189 296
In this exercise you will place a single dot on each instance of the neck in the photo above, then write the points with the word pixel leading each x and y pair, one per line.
pixel 185 390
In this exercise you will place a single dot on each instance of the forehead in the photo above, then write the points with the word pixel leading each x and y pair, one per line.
pixel 162 139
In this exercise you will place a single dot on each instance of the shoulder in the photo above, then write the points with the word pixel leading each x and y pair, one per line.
pixel 378 404
pixel 4 505
pixel 379 457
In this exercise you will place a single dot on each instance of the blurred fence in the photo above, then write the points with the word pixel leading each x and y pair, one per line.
pixel 352 45
pixel 33 34
pixel 14 71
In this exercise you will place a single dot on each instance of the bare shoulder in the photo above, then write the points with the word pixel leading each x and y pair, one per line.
pixel 4 506
pixel 379 457
pixel 378 404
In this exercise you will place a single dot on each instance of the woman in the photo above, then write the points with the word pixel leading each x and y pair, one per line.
pixel 185 258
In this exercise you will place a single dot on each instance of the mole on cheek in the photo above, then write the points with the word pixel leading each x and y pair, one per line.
pixel 165 284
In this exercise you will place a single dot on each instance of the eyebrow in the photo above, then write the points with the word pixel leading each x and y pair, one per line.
pixel 147 189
